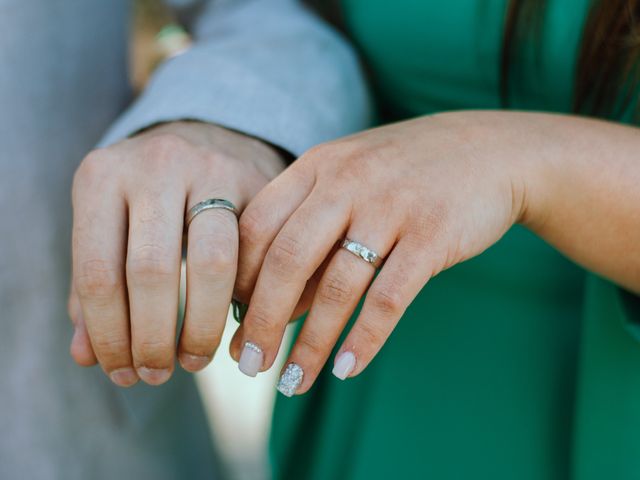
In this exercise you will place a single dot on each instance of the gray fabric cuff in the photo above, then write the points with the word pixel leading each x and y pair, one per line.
pixel 240 99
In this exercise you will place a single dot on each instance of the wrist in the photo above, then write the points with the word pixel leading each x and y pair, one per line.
pixel 496 142
pixel 522 150
pixel 534 147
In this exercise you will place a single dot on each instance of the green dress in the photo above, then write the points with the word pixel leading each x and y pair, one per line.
pixel 514 365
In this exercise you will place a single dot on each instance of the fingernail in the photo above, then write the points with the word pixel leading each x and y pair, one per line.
pixel 125 377
pixel 345 363
pixel 193 363
pixel 154 376
pixel 290 380
pixel 251 359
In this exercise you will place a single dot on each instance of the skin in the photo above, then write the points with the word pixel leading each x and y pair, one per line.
pixel 129 203
pixel 427 194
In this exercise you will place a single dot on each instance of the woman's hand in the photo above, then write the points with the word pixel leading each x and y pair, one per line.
pixel 129 204
pixel 424 194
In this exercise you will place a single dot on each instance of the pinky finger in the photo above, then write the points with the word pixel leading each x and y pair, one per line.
pixel 81 350
pixel 403 275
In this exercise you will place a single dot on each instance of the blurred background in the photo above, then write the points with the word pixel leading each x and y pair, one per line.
pixel 238 407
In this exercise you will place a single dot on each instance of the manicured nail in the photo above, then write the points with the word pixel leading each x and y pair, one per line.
pixel 290 380
pixel 345 363
pixel 251 359
pixel 193 363
pixel 154 376
pixel 124 377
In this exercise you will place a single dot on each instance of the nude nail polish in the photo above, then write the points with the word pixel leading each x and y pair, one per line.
pixel 344 365
pixel 251 359
pixel 290 379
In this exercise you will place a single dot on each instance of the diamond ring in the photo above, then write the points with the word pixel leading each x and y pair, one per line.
pixel 363 252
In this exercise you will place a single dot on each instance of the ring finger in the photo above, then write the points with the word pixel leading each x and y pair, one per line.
pixel 341 287
pixel 212 255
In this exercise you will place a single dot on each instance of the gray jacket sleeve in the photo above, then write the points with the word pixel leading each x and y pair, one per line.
pixel 267 68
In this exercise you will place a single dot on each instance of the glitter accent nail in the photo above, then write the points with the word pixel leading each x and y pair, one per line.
pixel 290 379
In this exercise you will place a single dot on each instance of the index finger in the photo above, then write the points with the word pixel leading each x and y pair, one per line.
pixel 262 220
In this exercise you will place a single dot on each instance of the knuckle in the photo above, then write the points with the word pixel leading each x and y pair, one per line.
pixel 200 341
pixel 302 172
pixel 91 169
pixel 154 352
pixel 371 334
pixel 316 152
pixel 150 263
pixel 150 216
pixel 252 226
pixel 259 320
pixel 356 160
pixel 94 162
pixel 321 160
pixel 360 155
pixel 387 301
pixel 284 256
pixel 324 151
pixel 212 255
pixel 111 349
pixel 336 290
pixel 164 146
pixel 312 345
pixel 97 279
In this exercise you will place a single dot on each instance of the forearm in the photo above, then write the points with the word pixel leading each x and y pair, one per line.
pixel 579 190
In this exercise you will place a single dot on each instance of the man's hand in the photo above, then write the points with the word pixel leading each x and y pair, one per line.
pixel 129 202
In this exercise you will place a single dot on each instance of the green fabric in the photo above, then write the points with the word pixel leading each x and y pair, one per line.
pixel 506 366
pixel 607 420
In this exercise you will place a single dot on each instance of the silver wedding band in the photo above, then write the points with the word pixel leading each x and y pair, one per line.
pixel 362 252
pixel 209 204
